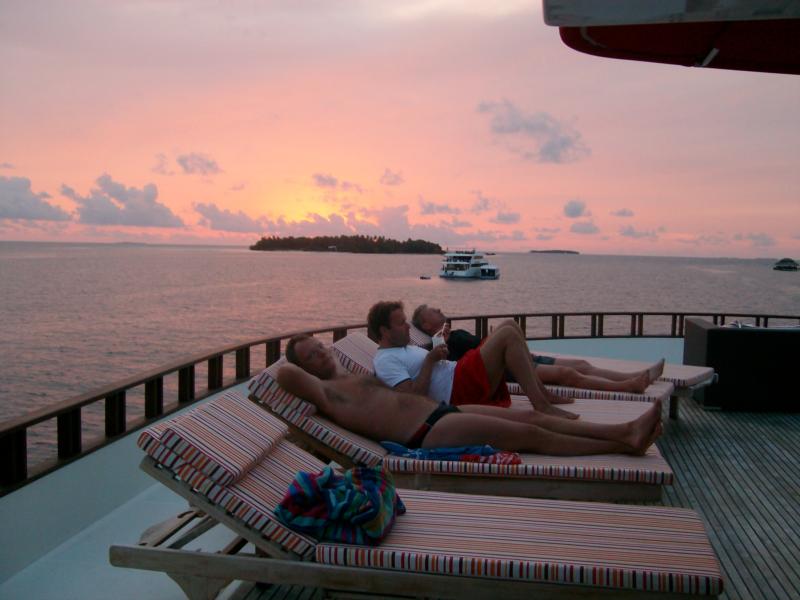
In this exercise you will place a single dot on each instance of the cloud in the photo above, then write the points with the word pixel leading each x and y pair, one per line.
pixel 456 223
pixel 629 231
pixel 196 163
pixel 538 137
pixel 430 208
pixel 584 228
pixel 111 203
pixel 759 240
pixel 545 237
pixel 329 181
pixel 391 178
pixel 482 203
pixel 19 201
pixel 576 208
pixel 225 220
pixel 162 166
pixel 622 212
pixel 506 218
pixel 705 239
pixel 6 165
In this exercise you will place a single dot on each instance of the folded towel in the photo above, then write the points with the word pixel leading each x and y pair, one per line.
pixel 358 507
pixel 480 454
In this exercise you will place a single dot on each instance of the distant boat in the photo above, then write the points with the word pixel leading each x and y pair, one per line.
pixel 424 276
pixel 467 264
pixel 786 264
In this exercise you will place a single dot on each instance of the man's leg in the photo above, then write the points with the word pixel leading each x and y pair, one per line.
pixel 652 372
pixel 618 432
pixel 558 374
pixel 506 348
pixel 467 428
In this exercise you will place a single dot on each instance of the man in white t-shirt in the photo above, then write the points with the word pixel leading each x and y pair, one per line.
pixel 477 378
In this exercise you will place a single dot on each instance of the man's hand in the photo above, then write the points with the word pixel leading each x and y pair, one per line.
pixel 446 332
pixel 437 354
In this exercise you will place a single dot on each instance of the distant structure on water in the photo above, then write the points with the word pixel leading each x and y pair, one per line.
pixel 555 252
pixel 348 243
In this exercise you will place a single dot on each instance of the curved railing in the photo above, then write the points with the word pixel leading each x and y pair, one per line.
pixel 15 470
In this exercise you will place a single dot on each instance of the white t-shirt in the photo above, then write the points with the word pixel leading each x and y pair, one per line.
pixel 395 365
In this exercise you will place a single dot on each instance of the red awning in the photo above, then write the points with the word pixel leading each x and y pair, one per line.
pixel 772 46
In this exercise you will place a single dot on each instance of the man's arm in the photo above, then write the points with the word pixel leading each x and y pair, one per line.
pixel 308 387
pixel 422 383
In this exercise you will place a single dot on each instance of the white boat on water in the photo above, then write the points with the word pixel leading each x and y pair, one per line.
pixel 467 264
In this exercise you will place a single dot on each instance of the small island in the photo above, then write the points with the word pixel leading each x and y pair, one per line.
pixel 555 252
pixel 362 244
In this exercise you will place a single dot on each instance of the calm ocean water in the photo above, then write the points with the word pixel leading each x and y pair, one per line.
pixel 79 316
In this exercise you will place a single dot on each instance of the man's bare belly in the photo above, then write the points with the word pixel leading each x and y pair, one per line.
pixel 367 407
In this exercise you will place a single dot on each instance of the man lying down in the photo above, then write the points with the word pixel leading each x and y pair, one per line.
pixel 366 406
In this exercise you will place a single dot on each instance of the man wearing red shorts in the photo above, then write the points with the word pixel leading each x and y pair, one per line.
pixel 477 378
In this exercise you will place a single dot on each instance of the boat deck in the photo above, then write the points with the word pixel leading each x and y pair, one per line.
pixel 738 470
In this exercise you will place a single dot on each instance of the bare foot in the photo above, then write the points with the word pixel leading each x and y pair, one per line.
pixel 639 383
pixel 656 370
pixel 654 435
pixel 644 430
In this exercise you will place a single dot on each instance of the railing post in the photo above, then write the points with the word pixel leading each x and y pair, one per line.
pixel 115 413
pixel 478 331
pixel 69 433
pixel 14 457
pixel 522 321
pixel 154 397
pixel 674 325
pixel 633 325
pixel 554 326
pixel 273 351
pixel 562 322
pixel 186 384
pixel 593 326
pixel 339 334
pixel 600 325
pixel 641 324
pixel 215 372
pixel 243 363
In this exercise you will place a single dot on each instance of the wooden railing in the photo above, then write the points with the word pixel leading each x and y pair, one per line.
pixel 15 470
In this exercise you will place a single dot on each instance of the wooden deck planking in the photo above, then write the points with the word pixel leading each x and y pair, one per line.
pixel 739 471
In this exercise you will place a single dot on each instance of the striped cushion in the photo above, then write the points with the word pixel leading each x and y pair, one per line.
pixel 222 439
pixel 359 449
pixel 658 390
pixel 252 498
pixel 605 545
pixel 419 337
pixel 264 389
pixel 355 351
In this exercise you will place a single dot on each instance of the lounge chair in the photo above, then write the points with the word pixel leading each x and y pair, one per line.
pixel 600 477
pixel 236 470
pixel 356 351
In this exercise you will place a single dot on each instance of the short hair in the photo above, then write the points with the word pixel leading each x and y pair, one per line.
pixel 416 318
pixel 380 316
pixel 291 353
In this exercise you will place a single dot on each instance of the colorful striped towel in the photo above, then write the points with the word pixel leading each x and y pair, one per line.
pixel 477 454
pixel 358 507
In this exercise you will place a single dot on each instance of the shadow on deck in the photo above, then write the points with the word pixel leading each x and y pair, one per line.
pixel 740 472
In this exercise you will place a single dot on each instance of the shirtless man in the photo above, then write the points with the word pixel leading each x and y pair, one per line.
pixel 364 405
pixel 557 371
pixel 479 377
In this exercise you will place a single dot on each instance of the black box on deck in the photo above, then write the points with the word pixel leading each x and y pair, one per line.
pixel 756 366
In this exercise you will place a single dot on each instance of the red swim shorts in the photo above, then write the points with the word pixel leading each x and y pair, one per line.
pixel 471 383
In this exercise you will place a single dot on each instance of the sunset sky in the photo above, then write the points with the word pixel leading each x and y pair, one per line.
pixel 463 123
